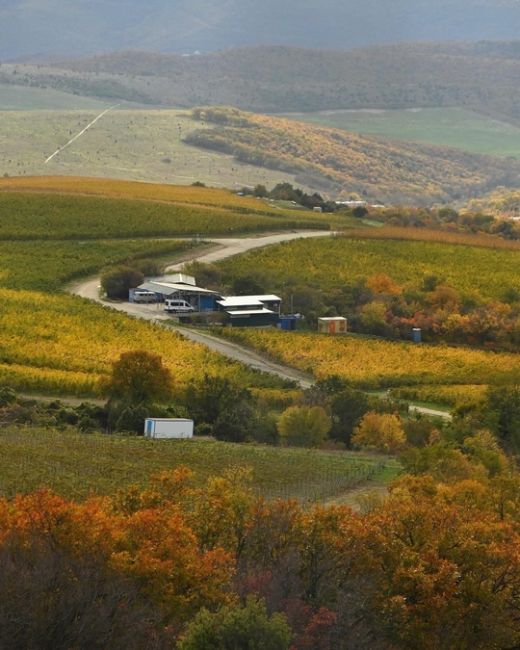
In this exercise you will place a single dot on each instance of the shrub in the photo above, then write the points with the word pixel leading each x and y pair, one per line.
pixel 380 432
pixel 231 628
pixel 116 282
pixel 304 426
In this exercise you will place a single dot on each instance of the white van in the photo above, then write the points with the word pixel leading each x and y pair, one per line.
pixel 177 306
pixel 141 295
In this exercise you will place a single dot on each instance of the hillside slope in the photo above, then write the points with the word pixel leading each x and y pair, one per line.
pixel 484 77
pixel 340 161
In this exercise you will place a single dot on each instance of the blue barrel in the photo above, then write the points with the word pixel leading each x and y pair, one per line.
pixel 416 335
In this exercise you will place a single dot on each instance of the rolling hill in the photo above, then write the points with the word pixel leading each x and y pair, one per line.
pixel 484 77
pixel 50 27
pixel 341 162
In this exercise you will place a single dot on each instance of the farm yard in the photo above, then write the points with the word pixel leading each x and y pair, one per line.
pixel 59 344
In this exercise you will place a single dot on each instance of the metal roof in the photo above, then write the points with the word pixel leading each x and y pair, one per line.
pixel 331 318
pixel 168 288
pixel 178 278
pixel 251 312
pixel 238 301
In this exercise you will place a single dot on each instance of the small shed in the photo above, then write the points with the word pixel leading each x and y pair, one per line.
pixel 168 428
pixel 332 325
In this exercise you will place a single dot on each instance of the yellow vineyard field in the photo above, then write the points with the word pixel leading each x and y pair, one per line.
pixel 154 192
pixel 61 344
pixel 374 363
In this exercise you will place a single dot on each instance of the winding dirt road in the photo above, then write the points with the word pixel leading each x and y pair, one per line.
pixel 223 249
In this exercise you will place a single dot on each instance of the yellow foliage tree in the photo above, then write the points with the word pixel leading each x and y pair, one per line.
pixel 380 431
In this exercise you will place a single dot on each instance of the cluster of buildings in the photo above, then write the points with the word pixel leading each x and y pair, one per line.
pixel 181 295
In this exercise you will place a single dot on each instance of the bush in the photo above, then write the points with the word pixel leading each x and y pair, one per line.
pixel 380 432
pixel 232 628
pixel 118 281
pixel 304 426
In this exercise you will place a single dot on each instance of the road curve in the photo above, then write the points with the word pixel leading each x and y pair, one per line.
pixel 225 248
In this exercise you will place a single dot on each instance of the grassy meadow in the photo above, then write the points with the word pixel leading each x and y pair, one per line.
pixel 126 143
pixel 48 265
pixel 450 127
pixel 26 98
pixel 28 216
pixel 76 465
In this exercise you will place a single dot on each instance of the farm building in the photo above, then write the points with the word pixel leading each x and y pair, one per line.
pixel 332 325
pixel 168 428
pixel 251 311
pixel 251 302
pixel 183 287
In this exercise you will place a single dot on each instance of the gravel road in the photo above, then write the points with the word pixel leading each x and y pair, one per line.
pixel 224 248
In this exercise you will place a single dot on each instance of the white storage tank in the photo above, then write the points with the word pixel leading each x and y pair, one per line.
pixel 168 428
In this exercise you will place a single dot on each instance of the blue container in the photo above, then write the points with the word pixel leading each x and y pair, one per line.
pixel 287 323
pixel 416 335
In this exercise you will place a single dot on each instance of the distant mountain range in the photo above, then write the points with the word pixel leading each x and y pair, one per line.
pixel 34 28
pixel 484 77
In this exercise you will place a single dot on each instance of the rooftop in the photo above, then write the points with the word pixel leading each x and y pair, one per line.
pixel 168 288
pixel 250 312
pixel 238 301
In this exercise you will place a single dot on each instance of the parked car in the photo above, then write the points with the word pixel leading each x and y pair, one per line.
pixel 141 295
pixel 175 305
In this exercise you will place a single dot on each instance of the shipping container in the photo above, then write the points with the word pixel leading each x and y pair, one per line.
pixel 168 428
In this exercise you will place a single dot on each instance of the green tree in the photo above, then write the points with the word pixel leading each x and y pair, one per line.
pixel 117 281
pixel 221 408
pixel 237 628
pixel 260 190
pixel 304 426
pixel 138 377
pixel 501 413
pixel 347 408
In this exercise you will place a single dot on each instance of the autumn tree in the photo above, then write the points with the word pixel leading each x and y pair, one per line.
pixel 138 377
pixel 54 598
pixel 304 426
pixel 380 432
pixel 382 284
